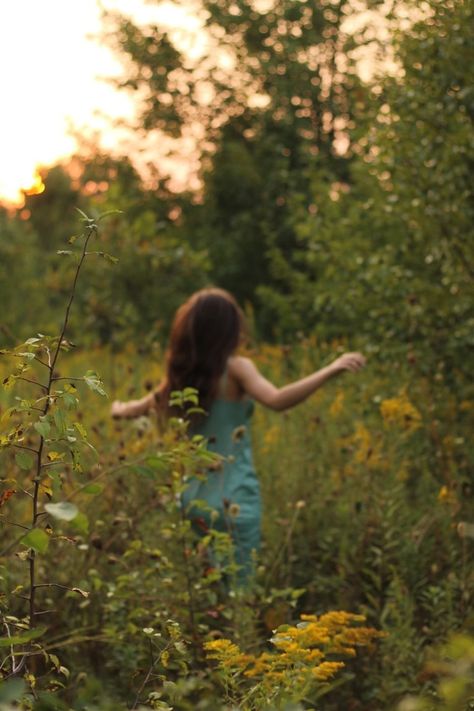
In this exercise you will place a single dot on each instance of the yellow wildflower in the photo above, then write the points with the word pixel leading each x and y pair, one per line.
pixel 400 412
pixel 338 618
pixel 364 442
pixel 221 649
pixel 326 670
pixel 272 435
pixel 447 496
pixel 337 404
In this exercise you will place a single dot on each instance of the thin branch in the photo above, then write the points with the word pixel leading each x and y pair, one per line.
pixel 33 382
pixel 45 612
pixel 53 585
pixel 53 380
pixel 46 365
pixel 16 669
pixel 12 545
pixel 106 472
pixel 23 446
pixel 12 523
pixel 92 229
pixel 147 677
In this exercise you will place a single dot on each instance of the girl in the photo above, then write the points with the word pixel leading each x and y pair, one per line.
pixel 205 335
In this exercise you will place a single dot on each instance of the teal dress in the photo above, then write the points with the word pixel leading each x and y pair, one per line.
pixel 232 491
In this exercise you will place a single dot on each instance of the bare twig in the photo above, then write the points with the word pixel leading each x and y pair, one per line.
pixel 33 382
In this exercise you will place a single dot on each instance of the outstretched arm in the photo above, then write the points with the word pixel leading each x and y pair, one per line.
pixel 133 408
pixel 252 382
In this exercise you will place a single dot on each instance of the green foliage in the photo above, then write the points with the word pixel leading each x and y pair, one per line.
pixel 367 489
pixel 452 666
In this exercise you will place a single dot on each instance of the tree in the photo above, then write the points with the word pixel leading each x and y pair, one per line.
pixel 391 252
pixel 273 93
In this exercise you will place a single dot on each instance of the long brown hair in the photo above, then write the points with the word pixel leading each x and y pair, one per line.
pixel 206 330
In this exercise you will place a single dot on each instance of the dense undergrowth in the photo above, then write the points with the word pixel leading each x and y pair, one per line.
pixel 367 508
pixel 106 600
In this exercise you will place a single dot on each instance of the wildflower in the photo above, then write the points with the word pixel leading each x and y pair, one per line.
pixel 272 435
pixel 221 649
pixel 447 496
pixel 337 404
pixel 326 670
pixel 363 439
pixel 239 433
pixel 399 411
pixel 234 510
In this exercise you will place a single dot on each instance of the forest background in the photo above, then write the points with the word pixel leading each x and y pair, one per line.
pixel 339 212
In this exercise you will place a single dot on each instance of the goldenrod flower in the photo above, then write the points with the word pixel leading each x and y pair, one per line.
pixel 400 412
pixel 300 655
pixel 337 404
pixel 326 670
pixel 447 496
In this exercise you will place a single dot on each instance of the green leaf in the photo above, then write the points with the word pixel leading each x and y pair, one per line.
pixel 32 341
pixel 148 472
pixel 59 421
pixel 69 396
pixel 63 510
pixel 105 256
pixel 109 212
pixel 81 429
pixel 43 427
pixel 93 489
pixel 11 690
pixel 81 523
pixel 83 215
pixel 8 382
pixel 24 460
pixel 27 355
pixel 93 381
pixel 36 539
pixel 110 258
pixel 22 638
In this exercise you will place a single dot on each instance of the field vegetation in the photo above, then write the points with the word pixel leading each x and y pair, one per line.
pixel 363 599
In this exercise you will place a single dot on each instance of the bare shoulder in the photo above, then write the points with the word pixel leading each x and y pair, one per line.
pixel 240 366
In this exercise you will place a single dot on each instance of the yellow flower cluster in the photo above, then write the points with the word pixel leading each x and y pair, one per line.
pixel 227 653
pixel 447 496
pixel 301 651
pixel 337 405
pixel 400 412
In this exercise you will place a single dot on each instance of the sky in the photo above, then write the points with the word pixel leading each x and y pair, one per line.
pixel 50 77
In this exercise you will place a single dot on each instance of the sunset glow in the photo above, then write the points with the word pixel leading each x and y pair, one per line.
pixel 52 74
pixel 54 70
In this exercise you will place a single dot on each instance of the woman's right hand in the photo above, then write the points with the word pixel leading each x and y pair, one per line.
pixel 117 409
pixel 352 362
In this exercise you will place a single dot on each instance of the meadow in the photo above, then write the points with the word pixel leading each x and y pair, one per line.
pixel 338 210
pixel 367 512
